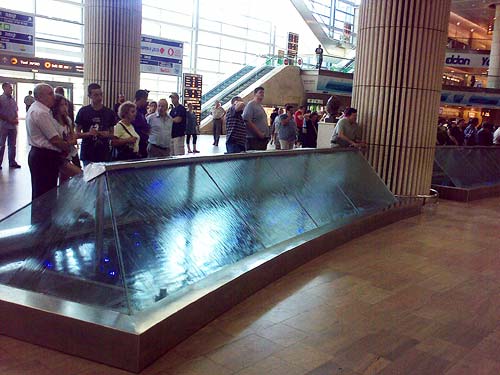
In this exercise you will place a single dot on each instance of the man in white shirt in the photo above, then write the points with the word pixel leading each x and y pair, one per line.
pixel 47 147
pixel 161 131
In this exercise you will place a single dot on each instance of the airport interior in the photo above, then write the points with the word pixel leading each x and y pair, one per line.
pixel 212 187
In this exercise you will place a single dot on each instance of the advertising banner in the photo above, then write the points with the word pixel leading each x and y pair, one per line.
pixel 161 56
pixel 467 60
pixel 17 32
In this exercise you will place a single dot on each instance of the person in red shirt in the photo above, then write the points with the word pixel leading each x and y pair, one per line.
pixel 299 120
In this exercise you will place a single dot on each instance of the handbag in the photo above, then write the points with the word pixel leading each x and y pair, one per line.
pixel 124 152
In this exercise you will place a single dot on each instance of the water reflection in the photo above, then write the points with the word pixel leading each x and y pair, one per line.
pixel 134 236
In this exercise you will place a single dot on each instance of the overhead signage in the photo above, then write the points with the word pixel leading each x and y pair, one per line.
pixel 161 56
pixel 42 65
pixel 293 45
pixel 17 32
pixel 467 60
pixel 192 87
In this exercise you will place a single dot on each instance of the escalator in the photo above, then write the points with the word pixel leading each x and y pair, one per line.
pixel 225 95
pixel 226 83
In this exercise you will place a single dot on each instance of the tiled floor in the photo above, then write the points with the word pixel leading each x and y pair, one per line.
pixel 421 296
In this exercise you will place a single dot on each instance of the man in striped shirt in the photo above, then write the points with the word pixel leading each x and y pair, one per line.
pixel 236 128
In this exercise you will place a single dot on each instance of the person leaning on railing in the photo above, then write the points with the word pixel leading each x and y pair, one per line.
pixel 347 132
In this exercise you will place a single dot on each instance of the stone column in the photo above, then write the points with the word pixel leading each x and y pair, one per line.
pixel 397 87
pixel 494 69
pixel 113 47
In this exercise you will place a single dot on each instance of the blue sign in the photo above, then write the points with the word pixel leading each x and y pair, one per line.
pixel 161 56
pixel 17 32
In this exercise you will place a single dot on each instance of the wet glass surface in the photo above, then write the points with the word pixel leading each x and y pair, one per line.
pixel 133 236
pixel 468 167
pixel 61 249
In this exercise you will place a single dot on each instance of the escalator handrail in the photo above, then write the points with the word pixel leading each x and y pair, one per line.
pixel 210 103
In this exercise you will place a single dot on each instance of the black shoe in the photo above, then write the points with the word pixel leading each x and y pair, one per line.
pixel 15 166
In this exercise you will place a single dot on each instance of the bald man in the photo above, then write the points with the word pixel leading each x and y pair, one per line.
pixel 47 147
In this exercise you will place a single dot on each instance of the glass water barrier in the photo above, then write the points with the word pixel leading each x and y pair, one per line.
pixel 134 235
pixel 466 167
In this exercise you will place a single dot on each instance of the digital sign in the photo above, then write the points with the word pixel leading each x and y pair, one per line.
pixel 293 45
pixel 192 93
pixel 41 65
pixel 17 32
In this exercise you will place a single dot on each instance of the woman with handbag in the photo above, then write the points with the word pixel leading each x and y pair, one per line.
pixel 126 141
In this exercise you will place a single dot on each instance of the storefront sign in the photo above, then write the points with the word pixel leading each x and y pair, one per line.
pixel 17 32
pixel 192 89
pixel 467 60
pixel 41 65
pixel 161 56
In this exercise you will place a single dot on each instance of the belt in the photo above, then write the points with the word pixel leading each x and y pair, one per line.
pixel 162 148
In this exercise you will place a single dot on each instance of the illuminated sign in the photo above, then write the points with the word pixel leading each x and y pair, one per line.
pixel 293 45
pixel 42 65
pixel 192 93
pixel 17 32
pixel 161 56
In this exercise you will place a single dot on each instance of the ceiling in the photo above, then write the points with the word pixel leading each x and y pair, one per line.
pixel 476 11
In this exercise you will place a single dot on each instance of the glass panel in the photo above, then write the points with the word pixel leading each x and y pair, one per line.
pixel 439 177
pixel 462 173
pixel 265 202
pixel 58 30
pixel 23 6
pixel 481 161
pixel 175 228
pixel 356 178
pixel 316 189
pixel 62 244
pixel 60 9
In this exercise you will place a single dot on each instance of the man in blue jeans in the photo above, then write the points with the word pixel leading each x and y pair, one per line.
pixel 8 125
pixel 236 128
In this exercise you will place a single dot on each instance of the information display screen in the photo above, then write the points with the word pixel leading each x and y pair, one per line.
pixel 293 45
pixel 17 62
pixel 192 93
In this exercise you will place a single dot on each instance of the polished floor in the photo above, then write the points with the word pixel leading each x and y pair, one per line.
pixel 421 296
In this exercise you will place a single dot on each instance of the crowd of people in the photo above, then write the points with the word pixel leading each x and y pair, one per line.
pixel 132 130
pixel 147 129
pixel 249 128
pixel 472 133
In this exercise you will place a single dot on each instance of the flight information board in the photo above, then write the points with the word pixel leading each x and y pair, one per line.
pixel 293 45
pixel 192 93
pixel 30 64
pixel 17 32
